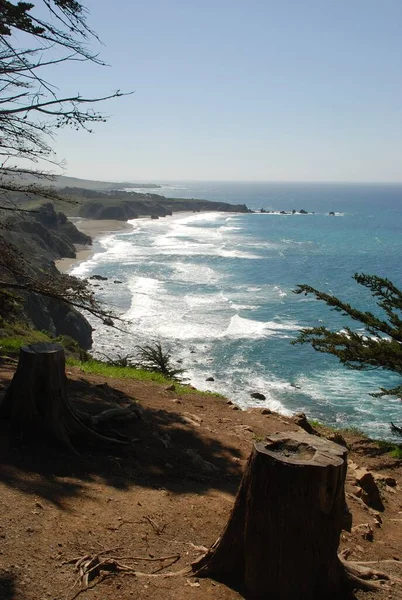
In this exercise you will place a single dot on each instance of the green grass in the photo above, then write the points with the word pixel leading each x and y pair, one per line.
pixel 12 344
pixel 96 367
pixel 15 335
pixel 395 450
pixel 353 430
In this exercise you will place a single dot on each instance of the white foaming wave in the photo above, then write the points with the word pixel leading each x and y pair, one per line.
pixel 85 267
pixel 245 328
pixel 280 292
pixel 238 388
pixel 224 228
pixel 197 300
pixel 333 386
pixel 158 314
pixel 237 306
pixel 145 291
pixel 226 253
pixel 194 273
pixel 296 243
pixel 205 216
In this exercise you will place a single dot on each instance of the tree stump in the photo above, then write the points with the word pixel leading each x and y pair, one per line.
pixel 36 401
pixel 282 536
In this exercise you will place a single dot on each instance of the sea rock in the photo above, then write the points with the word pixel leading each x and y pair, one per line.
pixel 210 379
pixel 117 281
pixel 98 277
pixel 258 396
pixel 303 212
pixel 331 214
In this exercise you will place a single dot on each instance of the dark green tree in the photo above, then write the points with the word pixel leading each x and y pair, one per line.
pixel 379 347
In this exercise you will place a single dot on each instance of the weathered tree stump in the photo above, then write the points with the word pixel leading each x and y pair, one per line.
pixel 282 536
pixel 36 401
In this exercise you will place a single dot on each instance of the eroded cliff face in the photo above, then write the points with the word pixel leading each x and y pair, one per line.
pixel 41 238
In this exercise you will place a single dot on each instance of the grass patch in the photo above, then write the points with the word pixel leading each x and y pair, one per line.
pixel 395 450
pixel 96 367
pixel 12 344
pixel 353 431
pixel 16 335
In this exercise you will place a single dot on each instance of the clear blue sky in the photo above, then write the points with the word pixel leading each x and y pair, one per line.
pixel 290 90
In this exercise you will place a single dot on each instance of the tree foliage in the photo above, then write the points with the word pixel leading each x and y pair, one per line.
pixel 32 38
pixel 154 357
pixel 379 347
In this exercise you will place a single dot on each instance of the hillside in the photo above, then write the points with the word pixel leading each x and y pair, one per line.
pixel 104 200
pixel 34 242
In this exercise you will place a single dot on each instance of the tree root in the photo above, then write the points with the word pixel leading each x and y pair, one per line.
pixel 363 578
pixel 92 569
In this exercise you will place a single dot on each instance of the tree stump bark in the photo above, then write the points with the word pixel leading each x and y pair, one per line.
pixel 36 401
pixel 282 536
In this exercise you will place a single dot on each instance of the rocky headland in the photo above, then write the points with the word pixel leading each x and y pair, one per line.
pixel 46 235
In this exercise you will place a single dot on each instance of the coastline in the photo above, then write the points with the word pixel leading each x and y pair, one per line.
pixel 96 228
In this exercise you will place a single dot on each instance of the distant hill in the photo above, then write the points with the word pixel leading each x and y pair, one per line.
pixel 109 200
pixel 61 181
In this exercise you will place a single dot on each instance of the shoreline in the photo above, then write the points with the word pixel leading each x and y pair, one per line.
pixel 96 229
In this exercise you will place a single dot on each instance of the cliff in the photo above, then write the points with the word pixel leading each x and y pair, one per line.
pixel 40 238
pixel 124 205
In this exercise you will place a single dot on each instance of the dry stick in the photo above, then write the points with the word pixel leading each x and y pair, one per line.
pixel 162 567
pixel 174 556
pixel 158 529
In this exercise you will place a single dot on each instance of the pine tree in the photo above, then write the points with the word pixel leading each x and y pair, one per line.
pixel 378 347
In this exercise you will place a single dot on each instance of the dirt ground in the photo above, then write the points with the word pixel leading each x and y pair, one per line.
pixel 165 496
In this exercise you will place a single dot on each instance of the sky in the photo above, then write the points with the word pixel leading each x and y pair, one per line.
pixel 263 90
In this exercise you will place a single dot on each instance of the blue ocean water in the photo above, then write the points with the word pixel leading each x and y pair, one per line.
pixel 217 288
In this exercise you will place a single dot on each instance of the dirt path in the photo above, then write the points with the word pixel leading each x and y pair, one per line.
pixel 167 495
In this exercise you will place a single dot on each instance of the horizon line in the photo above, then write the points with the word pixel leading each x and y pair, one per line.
pixel 275 181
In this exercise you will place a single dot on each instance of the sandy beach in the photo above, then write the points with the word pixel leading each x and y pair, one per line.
pixel 94 228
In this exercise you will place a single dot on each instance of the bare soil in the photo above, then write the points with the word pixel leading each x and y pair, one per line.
pixel 168 494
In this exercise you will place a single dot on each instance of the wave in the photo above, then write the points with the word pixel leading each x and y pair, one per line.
pixel 245 328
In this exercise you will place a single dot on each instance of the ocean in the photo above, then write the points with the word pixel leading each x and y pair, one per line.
pixel 217 288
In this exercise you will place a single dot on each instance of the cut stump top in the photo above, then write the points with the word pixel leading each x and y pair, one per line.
pixel 42 348
pixel 301 448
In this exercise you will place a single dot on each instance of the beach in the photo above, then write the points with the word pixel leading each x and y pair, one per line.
pixel 95 229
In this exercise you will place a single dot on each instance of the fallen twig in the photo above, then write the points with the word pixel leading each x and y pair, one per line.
pixel 158 528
